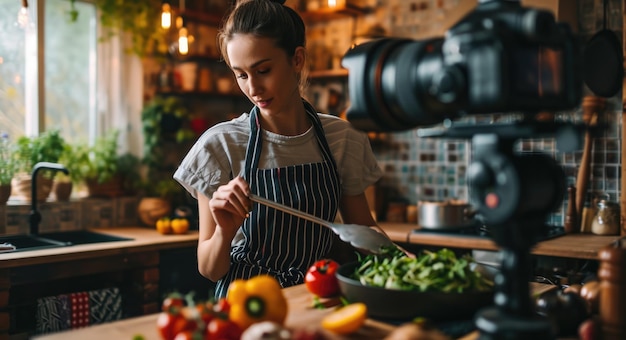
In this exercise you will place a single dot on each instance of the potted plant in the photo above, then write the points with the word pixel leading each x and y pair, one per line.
pixel 165 122
pixel 75 159
pixel 103 170
pixel 163 119
pixel 157 199
pixel 46 147
pixel 7 167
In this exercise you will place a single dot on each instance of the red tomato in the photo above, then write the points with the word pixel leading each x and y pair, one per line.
pixel 320 279
pixel 188 335
pixel 170 324
pixel 173 301
pixel 165 325
pixel 206 313
pixel 222 329
pixel 221 307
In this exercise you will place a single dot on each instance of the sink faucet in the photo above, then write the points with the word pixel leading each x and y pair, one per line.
pixel 35 215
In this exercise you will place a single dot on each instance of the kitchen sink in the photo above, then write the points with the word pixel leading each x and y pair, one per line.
pixel 54 240
pixel 82 237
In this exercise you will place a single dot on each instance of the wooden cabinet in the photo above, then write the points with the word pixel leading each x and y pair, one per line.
pixel 135 274
pixel 141 268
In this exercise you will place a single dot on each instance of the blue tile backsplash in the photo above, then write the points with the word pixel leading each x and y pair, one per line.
pixel 435 169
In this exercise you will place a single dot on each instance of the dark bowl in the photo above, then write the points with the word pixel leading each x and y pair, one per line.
pixel 401 305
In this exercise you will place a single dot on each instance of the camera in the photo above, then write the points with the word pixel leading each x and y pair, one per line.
pixel 499 58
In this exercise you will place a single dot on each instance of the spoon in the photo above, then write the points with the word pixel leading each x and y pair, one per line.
pixel 359 236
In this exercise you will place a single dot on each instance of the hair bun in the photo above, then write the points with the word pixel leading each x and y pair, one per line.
pixel 282 2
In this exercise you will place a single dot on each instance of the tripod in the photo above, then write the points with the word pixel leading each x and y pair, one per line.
pixel 513 194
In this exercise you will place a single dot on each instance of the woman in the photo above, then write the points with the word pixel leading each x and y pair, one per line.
pixel 282 150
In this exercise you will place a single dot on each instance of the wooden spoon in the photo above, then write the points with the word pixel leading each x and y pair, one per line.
pixel 592 107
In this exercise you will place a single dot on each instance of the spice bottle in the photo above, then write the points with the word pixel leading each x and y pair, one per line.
pixel 613 291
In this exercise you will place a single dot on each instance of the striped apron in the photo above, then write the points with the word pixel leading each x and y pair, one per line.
pixel 274 242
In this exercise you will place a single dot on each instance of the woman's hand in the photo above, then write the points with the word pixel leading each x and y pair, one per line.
pixel 230 204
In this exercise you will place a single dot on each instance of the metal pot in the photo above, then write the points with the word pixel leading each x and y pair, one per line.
pixel 450 214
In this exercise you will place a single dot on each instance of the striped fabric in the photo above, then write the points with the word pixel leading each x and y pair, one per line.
pixel 77 310
pixel 276 243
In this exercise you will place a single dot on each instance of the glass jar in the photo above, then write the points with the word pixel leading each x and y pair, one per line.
pixel 607 219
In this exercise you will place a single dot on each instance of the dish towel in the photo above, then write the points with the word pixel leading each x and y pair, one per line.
pixel 77 310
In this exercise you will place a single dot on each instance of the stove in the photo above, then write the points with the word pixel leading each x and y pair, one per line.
pixel 482 231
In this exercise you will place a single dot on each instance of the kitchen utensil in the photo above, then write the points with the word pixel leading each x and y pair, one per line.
pixel 603 69
pixel 361 237
pixel 450 214
pixel 403 305
pixel 592 107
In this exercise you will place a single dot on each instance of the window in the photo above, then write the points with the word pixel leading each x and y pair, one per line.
pixel 66 73
pixel 81 86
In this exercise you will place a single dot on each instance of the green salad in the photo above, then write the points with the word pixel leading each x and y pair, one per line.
pixel 440 271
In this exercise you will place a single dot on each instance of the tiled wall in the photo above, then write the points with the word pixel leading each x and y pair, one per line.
pixel 72 215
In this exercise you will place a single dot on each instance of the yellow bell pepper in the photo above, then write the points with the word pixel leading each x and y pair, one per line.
pixel 257 299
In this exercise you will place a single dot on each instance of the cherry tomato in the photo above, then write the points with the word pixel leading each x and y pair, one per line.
pixel 221 307
pixel 206 313
pixel 173 301
pixel 222 329
pixel 170 324
pixel 165 325
pixel 320 279
pixel 188 335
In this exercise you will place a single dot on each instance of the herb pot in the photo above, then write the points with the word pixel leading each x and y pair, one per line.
pixel 450 214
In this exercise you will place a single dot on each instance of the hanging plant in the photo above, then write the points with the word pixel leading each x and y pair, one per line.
pixel 72 13
pixel 139 18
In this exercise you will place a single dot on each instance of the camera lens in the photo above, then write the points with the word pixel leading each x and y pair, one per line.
pixel 398 84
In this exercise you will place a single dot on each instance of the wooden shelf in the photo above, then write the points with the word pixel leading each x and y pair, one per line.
pixel 335 73
pixel 200 17
pixel 199 58
pixel 212 94
pixel 575 246
pixel 333 13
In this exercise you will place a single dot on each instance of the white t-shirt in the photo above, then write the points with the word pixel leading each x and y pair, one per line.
pixel 219 154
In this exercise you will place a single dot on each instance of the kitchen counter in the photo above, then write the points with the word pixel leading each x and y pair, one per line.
pixel 576 246
pixel 301 315
pixel 131 265
pixel 138 262
pixel 141 239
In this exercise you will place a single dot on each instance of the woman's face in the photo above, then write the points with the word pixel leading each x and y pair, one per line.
pixel 264 72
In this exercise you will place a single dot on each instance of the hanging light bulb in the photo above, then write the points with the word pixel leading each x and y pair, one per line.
pixel 22 15
pixel 183 40
pixel 166 15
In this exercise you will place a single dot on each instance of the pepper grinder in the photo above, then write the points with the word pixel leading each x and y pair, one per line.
pixel 613 291
pixel 571 224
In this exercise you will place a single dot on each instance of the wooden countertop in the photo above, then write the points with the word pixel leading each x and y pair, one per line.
pixel 580 246
pixel 142 239
pixel 301 315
